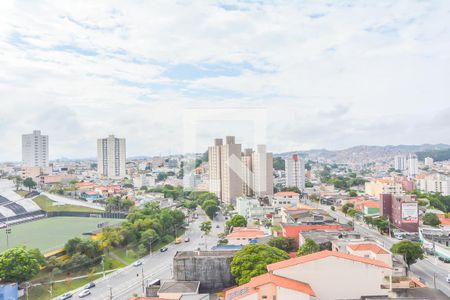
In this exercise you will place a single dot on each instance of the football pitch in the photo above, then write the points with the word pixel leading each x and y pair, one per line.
pixel 50 233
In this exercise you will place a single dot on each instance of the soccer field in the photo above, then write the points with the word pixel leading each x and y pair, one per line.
pixel 50 233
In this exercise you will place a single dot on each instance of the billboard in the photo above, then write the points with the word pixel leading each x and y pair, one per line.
pixel 410 212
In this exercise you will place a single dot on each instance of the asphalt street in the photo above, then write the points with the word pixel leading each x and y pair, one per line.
pixel 130 280
pixel 430 270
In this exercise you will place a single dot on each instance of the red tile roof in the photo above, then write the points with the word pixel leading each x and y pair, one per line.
pixel 269 278
pixel 324 254
pixel 368 247
pixel 248 233
pixel 444 221
pixel 285 194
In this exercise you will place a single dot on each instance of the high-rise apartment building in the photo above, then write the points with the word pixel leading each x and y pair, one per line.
pixel 233 174
pixel 247 173
pixel 262 166
pixel 413 165
pixel 231 170
pixel 295 172
pixel 215 167
pixel 111 157
pixel 400 162
pixel 35 150
pixel 428 161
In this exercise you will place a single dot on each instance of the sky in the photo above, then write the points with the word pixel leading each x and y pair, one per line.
pixel 169 76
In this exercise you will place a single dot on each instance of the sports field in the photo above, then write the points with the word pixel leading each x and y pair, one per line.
pixel 50 233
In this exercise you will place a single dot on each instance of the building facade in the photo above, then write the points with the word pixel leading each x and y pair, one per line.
pixel 262 166
pixel 35 150
pixel 401 210
pixel 295 172
pixel 111 157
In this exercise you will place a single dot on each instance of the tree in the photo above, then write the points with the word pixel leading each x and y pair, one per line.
pixel 237 221
pixel 352 193
pixel 17 182
pixel 206 227
pixel 308 247
pixel 18 265
pixel 431 219
pixel 283 243
pixel 29 183
pixel 278 163
pixel 410 251
pixel 211 211
pixel 252 260
pixel 346 207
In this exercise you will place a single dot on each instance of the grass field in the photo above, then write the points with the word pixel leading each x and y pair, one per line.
pixel 49 205
pixel 50 233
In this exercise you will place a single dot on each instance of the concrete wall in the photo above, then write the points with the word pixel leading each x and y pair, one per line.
pixel 211 268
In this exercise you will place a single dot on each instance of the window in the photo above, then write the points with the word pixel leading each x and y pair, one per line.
pixel 263 297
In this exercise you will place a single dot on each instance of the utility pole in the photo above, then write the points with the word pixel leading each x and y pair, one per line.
pixel 7 232
pixel 110 292
pixel 143 284
pixel 103 265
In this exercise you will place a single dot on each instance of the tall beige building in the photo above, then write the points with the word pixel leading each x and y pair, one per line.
pixel 262 166
pixel 111 157
pixel 231 170
pixel 233 174
pixel 35 150
pixel 214 167
pixel 247 173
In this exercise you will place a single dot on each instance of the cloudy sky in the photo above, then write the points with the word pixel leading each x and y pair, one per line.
pixel 171 75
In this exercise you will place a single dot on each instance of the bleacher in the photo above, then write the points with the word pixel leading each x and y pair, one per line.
pixel 14 208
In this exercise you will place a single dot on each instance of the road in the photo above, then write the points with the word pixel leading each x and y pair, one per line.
pixel 430 270
pixel 122 284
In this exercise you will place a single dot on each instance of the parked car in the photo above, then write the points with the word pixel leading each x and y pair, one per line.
pixel 217 226
pixel 163 249
pixel 65 296
pixel 137 263
pixel 186 239
pixel 84 293
pixel 90 285
pixel 448 278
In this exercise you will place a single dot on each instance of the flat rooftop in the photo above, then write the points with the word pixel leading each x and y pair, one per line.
pixel 188 254
pixel 171 286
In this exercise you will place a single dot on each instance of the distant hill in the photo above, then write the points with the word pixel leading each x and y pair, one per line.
pixel 437 155
pixel 377 153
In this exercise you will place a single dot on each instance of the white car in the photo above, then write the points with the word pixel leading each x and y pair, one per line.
pixel 84 293
pixel 65 296
pixel 448 278
pixel 137 263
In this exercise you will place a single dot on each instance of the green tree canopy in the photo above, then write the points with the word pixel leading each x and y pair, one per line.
pixel 308 247
pixel 19 264
pixel 29 183
pixel 237 221
pixel 410 251
pixel 283 243
pixel 431 219
pixel 252 260
pixel 206 227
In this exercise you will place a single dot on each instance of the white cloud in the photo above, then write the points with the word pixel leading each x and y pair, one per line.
pixel 330 74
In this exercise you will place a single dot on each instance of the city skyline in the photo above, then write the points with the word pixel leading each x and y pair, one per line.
pixel 329 76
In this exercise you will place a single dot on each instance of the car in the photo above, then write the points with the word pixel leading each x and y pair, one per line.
pixel 217 226
pixel 186 240
pixel 90 285
pixel 84 293
pixel 448 278
pixel 137 263
pixel 163 249
pixel 65 296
